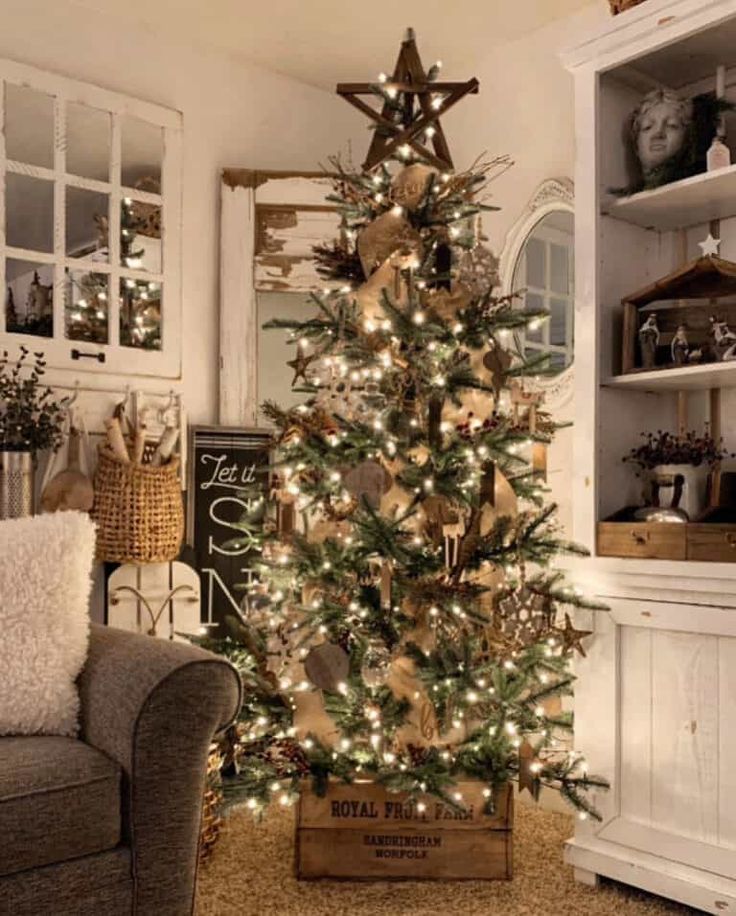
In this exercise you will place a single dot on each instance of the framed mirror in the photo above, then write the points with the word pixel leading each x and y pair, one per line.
pixel 538 259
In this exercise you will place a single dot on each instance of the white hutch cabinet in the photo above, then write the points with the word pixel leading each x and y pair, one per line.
pixel 655 707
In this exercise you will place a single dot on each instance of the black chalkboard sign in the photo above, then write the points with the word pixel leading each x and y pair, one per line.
pixel 228 467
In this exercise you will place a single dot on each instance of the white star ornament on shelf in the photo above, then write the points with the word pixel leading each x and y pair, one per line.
pixel 709 246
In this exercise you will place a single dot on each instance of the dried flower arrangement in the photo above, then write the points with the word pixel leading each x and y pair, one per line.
pixel 666 448
pixel 30 420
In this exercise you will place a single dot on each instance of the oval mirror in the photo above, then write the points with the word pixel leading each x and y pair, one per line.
pixel 538 260
pixel 544 270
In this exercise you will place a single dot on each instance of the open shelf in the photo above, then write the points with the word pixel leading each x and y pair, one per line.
pixel 699 377
pixel 694 200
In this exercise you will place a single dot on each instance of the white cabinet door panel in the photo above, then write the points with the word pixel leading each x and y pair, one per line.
pixel 684 675
pixel 636 712
pixel 727 743
pixel 671 738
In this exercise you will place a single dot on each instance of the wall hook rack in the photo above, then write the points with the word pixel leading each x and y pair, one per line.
pixel 160 599
pixel 154 615
pixel 71 400
pixel 121 406
pixel 172 402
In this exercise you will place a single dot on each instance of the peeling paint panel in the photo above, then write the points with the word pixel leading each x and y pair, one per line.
pixel 284 239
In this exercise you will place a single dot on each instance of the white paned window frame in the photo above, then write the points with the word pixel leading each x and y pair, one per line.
pixel 541 342
pixel 83 356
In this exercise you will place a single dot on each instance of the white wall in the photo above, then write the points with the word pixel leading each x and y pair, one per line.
pixel 525 109
pixel 241 115
pixel 234 115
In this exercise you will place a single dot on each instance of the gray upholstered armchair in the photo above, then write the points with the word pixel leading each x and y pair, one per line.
pixel 109 824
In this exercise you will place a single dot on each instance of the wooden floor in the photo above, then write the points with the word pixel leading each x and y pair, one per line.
pixel 251 872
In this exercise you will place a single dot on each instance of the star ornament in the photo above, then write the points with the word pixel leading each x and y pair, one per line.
pixel 300 364
pixel 413 102
pixel 709 246
pixel 572 638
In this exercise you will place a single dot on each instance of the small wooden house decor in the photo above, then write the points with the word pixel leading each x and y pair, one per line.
pixel 680 332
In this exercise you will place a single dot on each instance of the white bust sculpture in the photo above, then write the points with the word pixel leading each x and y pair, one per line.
pixel 659 127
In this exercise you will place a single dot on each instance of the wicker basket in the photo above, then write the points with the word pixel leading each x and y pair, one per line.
pixel 620 6
pixel 138 510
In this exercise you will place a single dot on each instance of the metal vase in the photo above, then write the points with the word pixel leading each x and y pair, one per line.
pixel 16 484
pixel 692 493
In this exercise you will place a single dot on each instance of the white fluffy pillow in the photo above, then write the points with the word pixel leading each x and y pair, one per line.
pixel 45 565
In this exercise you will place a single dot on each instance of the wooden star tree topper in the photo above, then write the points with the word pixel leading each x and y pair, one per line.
pixel 413 102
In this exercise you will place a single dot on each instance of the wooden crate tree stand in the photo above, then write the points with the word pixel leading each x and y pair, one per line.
pixel 362 831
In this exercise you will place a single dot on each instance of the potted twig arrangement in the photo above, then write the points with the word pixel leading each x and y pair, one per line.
pixel 665 457
pixel 30 422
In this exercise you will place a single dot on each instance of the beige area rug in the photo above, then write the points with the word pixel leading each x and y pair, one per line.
pixel 251 872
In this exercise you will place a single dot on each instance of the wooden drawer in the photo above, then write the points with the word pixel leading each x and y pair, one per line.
pixel 647 541
pixel 715 543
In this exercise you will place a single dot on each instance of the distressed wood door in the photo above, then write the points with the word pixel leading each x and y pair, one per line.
pixel 269 222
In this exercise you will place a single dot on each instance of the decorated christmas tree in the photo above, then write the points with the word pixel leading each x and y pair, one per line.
pixel 407 624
